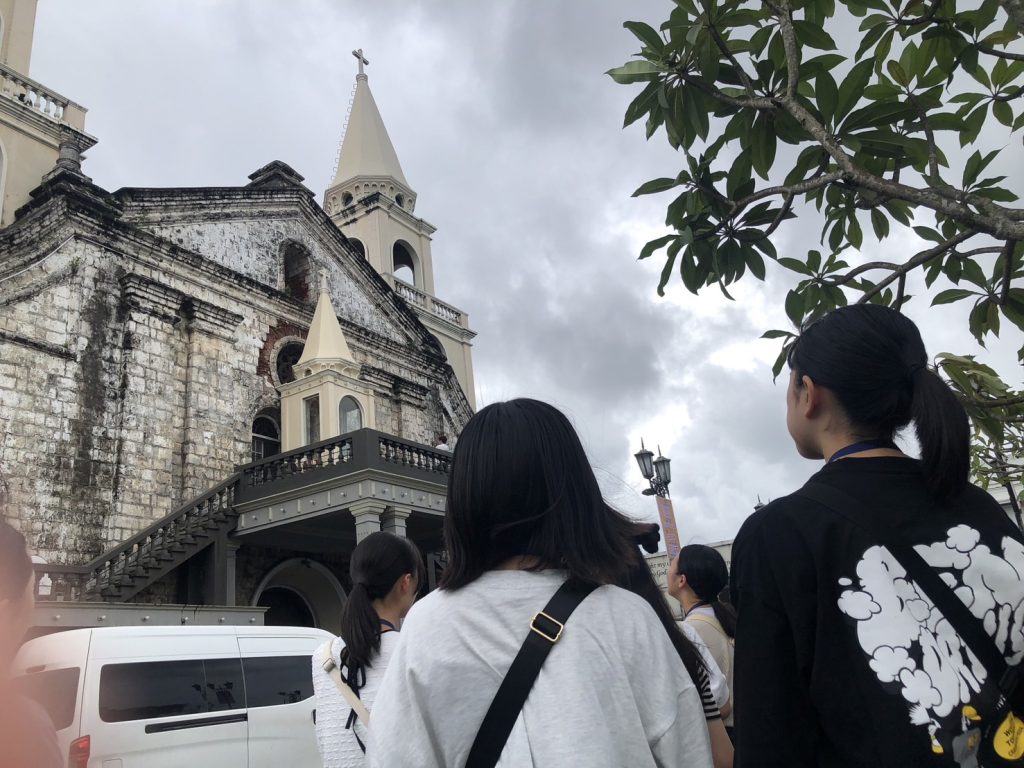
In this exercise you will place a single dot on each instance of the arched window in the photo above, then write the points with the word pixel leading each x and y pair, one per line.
pixel 400 199
pixel 266 435
pixel 286 360
pixel 403 263
pixel 346 199
pixel 297 271
pixel 350 415
pixel 358 245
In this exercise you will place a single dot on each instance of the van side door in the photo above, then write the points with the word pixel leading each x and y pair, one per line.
pixel 166 701
pixel 279 695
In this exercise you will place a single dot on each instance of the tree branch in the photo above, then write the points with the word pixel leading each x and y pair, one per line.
pixel 1001 54
pixel 789 42
pixel 918 260
pixel 923 19
pixel 1002 223
pixel 1010 95
pixel 760 103
pixel 723 46
pixel 1004 293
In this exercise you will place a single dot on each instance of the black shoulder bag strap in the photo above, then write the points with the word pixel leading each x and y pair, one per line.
pixel 546 628
pixel 952 608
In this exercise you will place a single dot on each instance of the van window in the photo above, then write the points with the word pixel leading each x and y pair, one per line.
pixel 274 680
pixel 144 690
pixel 56 691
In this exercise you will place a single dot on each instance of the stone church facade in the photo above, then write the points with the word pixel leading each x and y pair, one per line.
pixel 161 412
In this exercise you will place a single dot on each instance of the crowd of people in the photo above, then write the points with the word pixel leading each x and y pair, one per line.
pixel 874 617
pixel 831 643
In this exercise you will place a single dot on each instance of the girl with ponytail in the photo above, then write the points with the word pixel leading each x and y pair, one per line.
pixel 841 658
pixel 386 571
pixel 696 577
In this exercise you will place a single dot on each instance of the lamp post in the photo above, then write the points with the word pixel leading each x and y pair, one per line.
pixel 656 471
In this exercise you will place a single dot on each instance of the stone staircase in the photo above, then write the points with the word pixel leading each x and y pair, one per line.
pixel 121 573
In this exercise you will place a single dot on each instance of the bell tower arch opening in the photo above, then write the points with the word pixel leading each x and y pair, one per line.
pixel 404 264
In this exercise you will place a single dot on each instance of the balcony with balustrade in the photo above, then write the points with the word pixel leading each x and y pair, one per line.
pixel 307 500
pixel 48 107
pixel 432 308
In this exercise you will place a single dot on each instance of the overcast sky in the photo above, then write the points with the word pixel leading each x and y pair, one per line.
pixel 510 133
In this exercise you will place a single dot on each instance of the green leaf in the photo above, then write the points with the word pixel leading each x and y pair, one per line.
pixel 997 194
pixel 794 265
pixel 646 35
pixel 778 335
pixel 654 185
pixel 634 72
pixel 642 104
pixel 886 114
pixel 879 223
pixel 739 174
pixel 795 307
pixel 828 95
pixel 813 36
pixel 951 295
pixel 656 244
pixel 754 262
pixel 852 88
pixel 762 146
pixel 1002 112
pixel 975 164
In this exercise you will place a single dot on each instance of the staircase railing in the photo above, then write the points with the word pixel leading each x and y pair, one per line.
pixel 130 567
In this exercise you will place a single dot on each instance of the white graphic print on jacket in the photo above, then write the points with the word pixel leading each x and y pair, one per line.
pixel 913 649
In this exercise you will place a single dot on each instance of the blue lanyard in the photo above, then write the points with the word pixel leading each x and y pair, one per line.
pixel 863 445
pixel 388 624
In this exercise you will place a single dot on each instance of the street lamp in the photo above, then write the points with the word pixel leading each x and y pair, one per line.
pixel 656 471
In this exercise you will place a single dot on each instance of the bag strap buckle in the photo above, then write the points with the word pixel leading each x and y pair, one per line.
pixel 552 636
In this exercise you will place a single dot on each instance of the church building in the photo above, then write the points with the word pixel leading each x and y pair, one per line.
pixel 208 395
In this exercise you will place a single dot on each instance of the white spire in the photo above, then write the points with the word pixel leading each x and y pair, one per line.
pixel 366 149
pixel 326 341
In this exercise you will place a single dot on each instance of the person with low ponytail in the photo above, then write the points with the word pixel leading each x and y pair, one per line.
pixel 386 571
pixel 696 578
pixel 841 658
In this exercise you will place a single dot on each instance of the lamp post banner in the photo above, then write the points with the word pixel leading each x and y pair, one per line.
pixel 668 526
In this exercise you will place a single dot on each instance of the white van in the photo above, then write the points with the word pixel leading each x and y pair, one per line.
pixel 166 697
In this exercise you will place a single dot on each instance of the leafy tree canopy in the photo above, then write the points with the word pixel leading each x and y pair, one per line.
pixel 900 121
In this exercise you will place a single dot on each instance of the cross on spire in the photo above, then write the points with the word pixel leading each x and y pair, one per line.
pixel 362 59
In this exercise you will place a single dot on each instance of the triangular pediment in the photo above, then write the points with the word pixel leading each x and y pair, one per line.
pixel 249 229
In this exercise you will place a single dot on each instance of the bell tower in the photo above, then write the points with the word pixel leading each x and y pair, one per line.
pixel 41 132
pixel 373 204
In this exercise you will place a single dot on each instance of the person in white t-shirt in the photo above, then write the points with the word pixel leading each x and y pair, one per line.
pixel 524 513
pixel 386 572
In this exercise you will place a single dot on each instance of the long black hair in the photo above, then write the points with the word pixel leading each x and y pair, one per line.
pixel 520 484
pixel 378 561
pixel 874 361
pixel 707 575
pixel 640 580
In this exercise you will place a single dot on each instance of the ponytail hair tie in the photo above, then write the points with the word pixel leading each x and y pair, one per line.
pixel 912 370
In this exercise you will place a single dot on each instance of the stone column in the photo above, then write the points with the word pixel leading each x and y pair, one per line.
pixel 393 521
pixel 230 582
pixel 366 514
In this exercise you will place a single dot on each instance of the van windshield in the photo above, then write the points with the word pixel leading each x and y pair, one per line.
pixel 56 690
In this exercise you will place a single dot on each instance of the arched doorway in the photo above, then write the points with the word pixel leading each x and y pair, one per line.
pixel 285 608
pixel 301 590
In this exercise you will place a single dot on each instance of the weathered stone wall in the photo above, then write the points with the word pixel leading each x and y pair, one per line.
pixel 130 369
